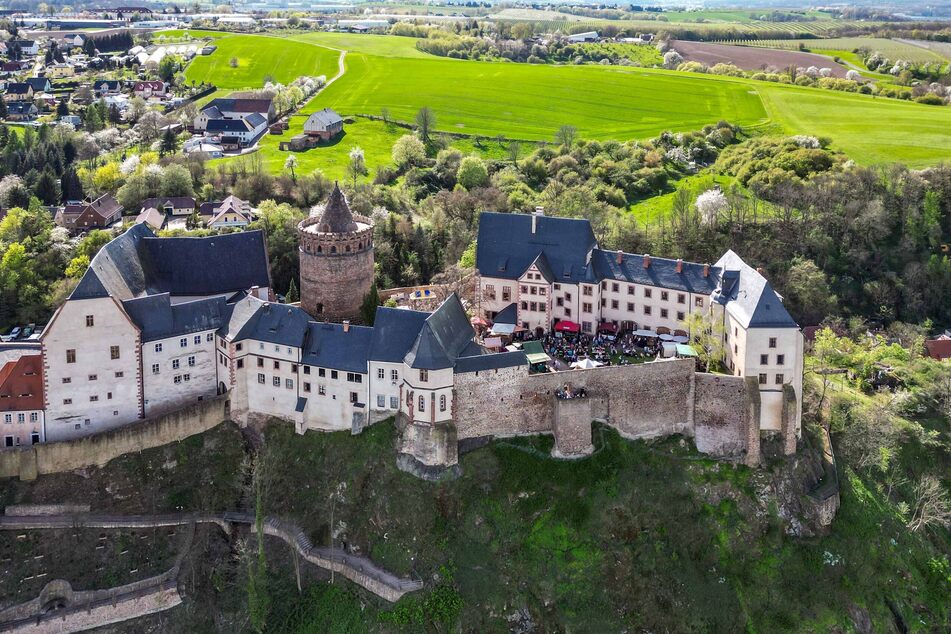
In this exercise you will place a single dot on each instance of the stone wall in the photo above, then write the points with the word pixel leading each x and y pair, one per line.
pixel 725 411
pixel 572 427
pixel 56 457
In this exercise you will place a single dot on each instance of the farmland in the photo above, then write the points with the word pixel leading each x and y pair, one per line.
pixel 892 49
pixel 749 58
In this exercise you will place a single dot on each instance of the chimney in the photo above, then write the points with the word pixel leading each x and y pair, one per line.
pixel 254 290
pixel 680 265
pixel 346 325
pixel 534 223
pixel 539 211
pixel 647 261
pixel 620 257
pixel 706 270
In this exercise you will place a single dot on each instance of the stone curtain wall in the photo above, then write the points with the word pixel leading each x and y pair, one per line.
pixel 56 457
pixel 726 415
pixel 640 401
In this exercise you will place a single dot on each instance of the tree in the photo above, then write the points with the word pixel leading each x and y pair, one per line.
pixel 356 165
pixel 233 62
pixel 711 204
pixel 566 136
pixel 513 151
pixel 176 180
pixel 368 308
pixel 168 67
pixel 931 505
pixel 808 294
pixel 289 164
pixel 425 123
pixel 169 142
pixel 47 188
pixel 62 108
pixel 292 296
pixel 385 114
pixel 93 120
pixel 408 151
pixel 472 172
pixel 706 333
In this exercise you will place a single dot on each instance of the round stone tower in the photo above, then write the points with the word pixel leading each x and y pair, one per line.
pixel 336 260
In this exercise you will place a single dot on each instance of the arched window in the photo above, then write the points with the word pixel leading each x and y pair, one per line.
pixel 320 249
pixel 348 248
pixel 442 402
pixel 333 249
pixel 422 403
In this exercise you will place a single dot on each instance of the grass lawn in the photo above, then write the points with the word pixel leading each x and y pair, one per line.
pixel 260 57
pixel 380 45
pixel 657 209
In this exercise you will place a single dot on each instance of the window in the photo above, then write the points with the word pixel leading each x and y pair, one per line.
pixel 277 365
pixel 586 290
pixel 34 417
pixel 533 307
pixel 260 362
pixel 680 315
pixel 506 294
pixel 333 374
pixel 67 401
pixel 567 312
pixel 380 373
pixel 70 356
pixel 681 298
pixel 175 364
pixel 772 342
pixel 630 289
pixel 647 293
pixel 779 379
pixel 276 381
pixel 557 287
pixel 586 326
pixel 197 339
pixel 177 379
pixel 542 290
pixel 8 418
pixel 424 376
pixel 559 301
pixel 647 310
pixel 394 375
pixel 762 379
pixel 183 342
pixel 113 352
pixel 155 368
pixel 534 291
pixel 187 377
pixel 664 295
pixel 158 347
pixel 289 384
pixel 321 390
pixel 321 372
pixel 604 302
pixel 394 402
pixel 238 347
pixel 380 401
pixel 353 377
pixel 354 397
pixel 108 396
pixel 614 303
pixel 663 313
pixel 261 378
pixel 780 359
pixel 442 402
pixel 93 377
pixel 67 379
pixel 523 289
pixel 210 337
pixel 567 297
pixel 306 387
pixel 21 418
pixel 764 359
pixel 489 291
pixel 119 375
pixel 604 286
pixel 615 287
pixel 306 369
pixel 94 398
pixel 422 403
pixel 586 307
pixel 90 321
pixel 524 305
pixel 191 361
pixel 698 302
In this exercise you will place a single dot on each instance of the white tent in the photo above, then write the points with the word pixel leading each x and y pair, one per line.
pixel 502 329
pixel 645 333
pixel 585 364
pixel 670 349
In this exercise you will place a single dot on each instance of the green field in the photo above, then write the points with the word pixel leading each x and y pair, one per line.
pixel 260 57
pixel 892 49
pixel 530 102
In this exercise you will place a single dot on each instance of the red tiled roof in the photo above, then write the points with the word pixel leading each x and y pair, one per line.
pixel 21 384
pixel 939 348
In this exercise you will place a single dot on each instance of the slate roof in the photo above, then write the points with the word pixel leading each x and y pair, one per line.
pixel 506 246
pixel 445 336
pixel 151 216
pixel 660 272
pixel 327 346
pixel 106 84
pixel 244 124
pixel 21 107
pixel 178 202
pixel 39 83
pixel 212 112
pixel 228 104
pixel 336 216
pixel 508 315
pixel 323 119
pixel 19 88
pixel 490 362
pixel 138 263
pixel 394 332
pixel 280 324
pixel 748 296
pixel 158 318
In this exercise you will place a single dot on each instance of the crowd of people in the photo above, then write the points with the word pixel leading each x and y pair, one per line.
pixel 603 348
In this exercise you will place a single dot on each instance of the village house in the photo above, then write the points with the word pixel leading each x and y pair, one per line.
pixel 155 219
pixel 22 111
pixel 18 91
pixel 232 108
pixel 230 212
pixel 550 273
pixel 27 47
pixel 40 84
pixel 106 87
pixel 149 89
pixel 324 124
pixel 84 216
pixel 171 205
pixel 21 394
pixel 243 130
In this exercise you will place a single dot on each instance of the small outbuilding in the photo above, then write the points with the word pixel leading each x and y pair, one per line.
pixel 325 124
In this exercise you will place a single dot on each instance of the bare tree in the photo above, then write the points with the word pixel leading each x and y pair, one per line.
pixel 566 136
pixel 931 505
pixel 425 122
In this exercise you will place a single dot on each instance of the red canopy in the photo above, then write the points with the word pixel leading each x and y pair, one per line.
pixel 567 326
pixel 607 326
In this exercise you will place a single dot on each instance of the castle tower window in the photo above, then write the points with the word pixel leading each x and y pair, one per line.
pixel 333 249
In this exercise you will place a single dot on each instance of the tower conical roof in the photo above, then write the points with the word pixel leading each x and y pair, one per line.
pixel 336 216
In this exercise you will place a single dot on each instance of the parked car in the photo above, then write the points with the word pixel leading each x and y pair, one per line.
pixel 28 331
pixel 15 333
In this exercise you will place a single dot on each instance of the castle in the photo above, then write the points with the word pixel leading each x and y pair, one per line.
pixel 156 324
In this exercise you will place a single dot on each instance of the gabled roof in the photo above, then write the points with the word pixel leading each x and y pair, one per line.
pixel 109 84
pixel 508 315
pixel 394 332
pixel 328 346
pixel 228 104
pixel 158 318
pixel 506 246
pixel 21 381
pixel 178 202
pixel 138 263
pixel 38 83
pixel 445 335
pixel 323 119
pixel 212 112
pixel 17 88
pixel 659 272
pixel 748 297
pixel 152 217
pixel 21 107
pixel 490 361
pixel 280 324
pixel 105 206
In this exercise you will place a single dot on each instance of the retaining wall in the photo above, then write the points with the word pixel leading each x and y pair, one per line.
pixel 56 457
